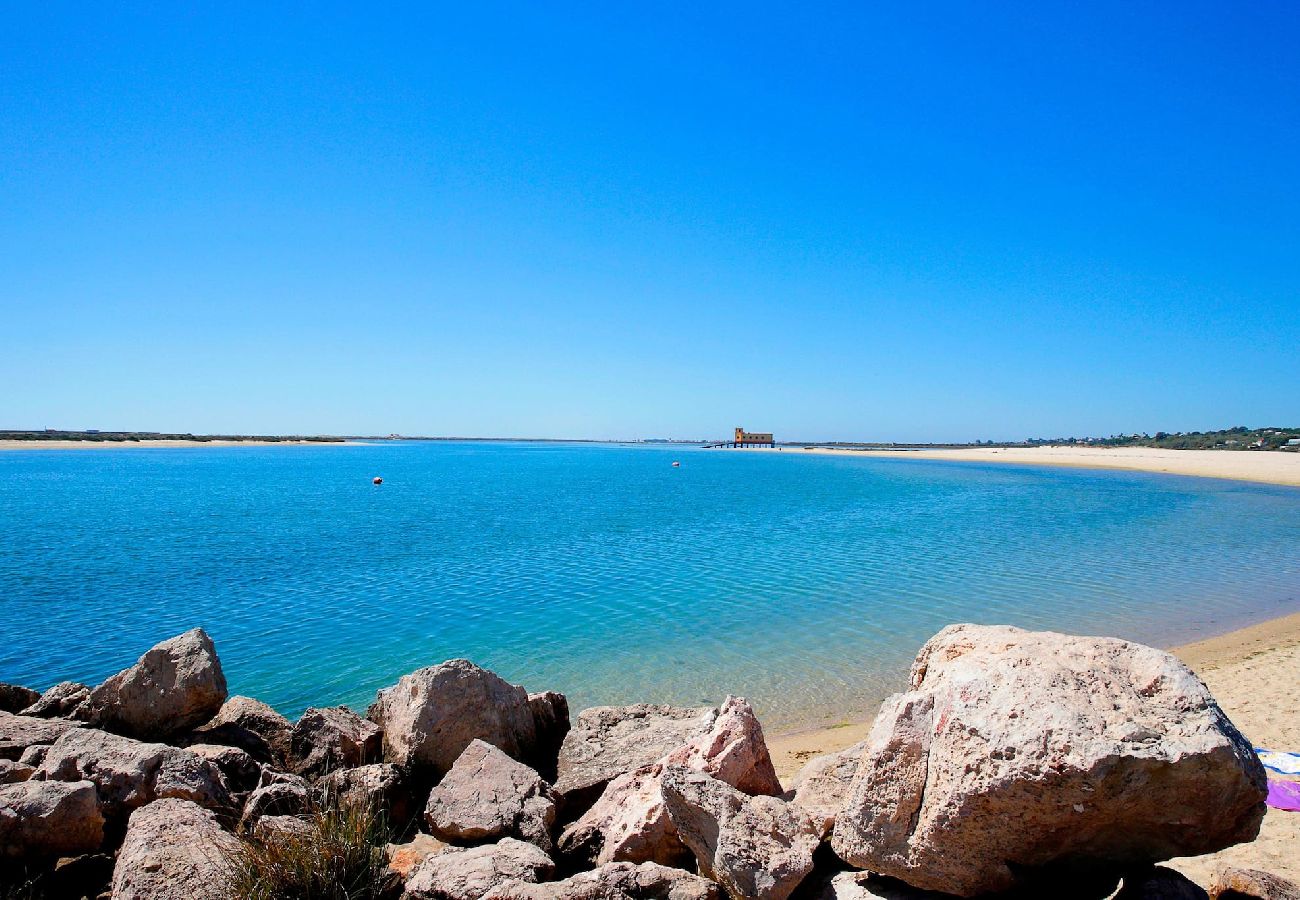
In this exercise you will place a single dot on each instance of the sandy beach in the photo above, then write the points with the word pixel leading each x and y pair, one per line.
pixel 1252 672
pixel 1274 467
pixel 147 445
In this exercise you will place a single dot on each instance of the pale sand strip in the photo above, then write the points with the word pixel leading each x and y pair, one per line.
pixel 146 444
pixel 1269 467
pixel 1254 673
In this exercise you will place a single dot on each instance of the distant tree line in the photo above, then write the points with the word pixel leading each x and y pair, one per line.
pixel 1238 438
pixel 138 436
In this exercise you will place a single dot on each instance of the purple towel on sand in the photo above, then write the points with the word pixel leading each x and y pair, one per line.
pixel 1284 795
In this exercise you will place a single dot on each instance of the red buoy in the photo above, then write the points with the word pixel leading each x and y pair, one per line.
pixel 378 480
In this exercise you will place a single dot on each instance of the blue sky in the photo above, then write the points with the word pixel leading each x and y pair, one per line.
pixel 930 222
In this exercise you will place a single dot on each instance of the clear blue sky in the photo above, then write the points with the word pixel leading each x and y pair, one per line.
pixel 615 220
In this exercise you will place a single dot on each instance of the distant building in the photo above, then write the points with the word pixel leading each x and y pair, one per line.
pixel 753 439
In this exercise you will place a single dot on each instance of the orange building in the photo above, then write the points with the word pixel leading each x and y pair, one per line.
pixel 752 439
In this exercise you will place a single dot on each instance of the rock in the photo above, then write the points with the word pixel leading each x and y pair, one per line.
pixel 866 886
pixel 629 823
pixel 468 874
pixel 14 698
pixel 128 774
pixel 614 881
pixel 326 740
pixel 279 799
pixel 88 875
pixel 283 827
pixel 551 723
pixel 49 819
pixel 489 795
pixel 431 715
pixel 608 741
pixel 241 771
pixel 18 733
pixel 174 850
pixel 1232 883
pixel 823 784
pixel 402 858
pixel 381 786
pixel 253 727
pixel 12 772
pixel 61 700
pixel 1160 883
pixel 34 755
pixel 1018 753
pixel 755 847
pixel 174 687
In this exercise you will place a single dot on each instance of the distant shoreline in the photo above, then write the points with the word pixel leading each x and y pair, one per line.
pixel 1274 467
pixel 163 443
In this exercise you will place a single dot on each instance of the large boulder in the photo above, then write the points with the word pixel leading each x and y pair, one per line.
pixel 822 785
pixel 488 795
pixel 326 740
pixel 252 726
pixel 19 733
pixel 615 881
pixel 1017 755
pixel 241 771
pixel 49 819
pixel 128 774
pixel 175 686
pixel 174 850
pixel 629 822
pixel 757 848
pixel 63 699
pixel 378 786
pixel 468 874
pixel 1232 883
pixel 430 716
pixel 15 698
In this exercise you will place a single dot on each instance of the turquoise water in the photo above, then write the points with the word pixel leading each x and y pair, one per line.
pixel 803 582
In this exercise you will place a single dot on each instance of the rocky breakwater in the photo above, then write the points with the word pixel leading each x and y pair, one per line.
pixel 1035 763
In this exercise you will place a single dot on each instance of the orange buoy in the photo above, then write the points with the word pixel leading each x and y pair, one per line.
pixel 377 480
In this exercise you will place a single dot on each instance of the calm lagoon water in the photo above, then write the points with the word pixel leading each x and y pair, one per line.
pixel 804 583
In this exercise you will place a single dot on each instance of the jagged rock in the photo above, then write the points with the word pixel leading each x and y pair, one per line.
pixel 755 847
pixel 326 740
pixel 282 798
pixel 468 874
pixel 629 822
pixel 866 886
pixel 614 881
pixel 241 771
pixel 253 727
pixel 15 698
pixel 174 850
pixel 823 784
pixel 551 723
pixel 608 741
pixel 18 733
pixel 49 819
pixel 59 701
pixel 431 715
pixel 1017 753
pixel 281 827
pixel 402 858
pixel 174 687
pixel 1160 883
pixel 13 772
pixel 34 755
pixel 381 786
pixel 1232 883
pixel 489 795
pixel 128 774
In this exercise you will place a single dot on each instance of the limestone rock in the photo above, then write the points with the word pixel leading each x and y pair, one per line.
pixel 34 755
pixel 241 771
pixel 380 786
pixel 15 698
pixel 281 798
pixel 823 784
pixel 12 772
pixel 468 874
pixel 402 858
pixel 489 795
pixel 1017 753
pixel 18 732
pixel 732 750
pixel 551 724
pixel 253 727
pixel 174 850
pixel 614 881
pixel 755 847
pixel 175 686
pixel 1232 883
pixel 283 827
pixel 1160 883
pixel 59 701
pixel 866 886
pixel 431 715
pixel 326 740
pixel 128 774
pixel 49 819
